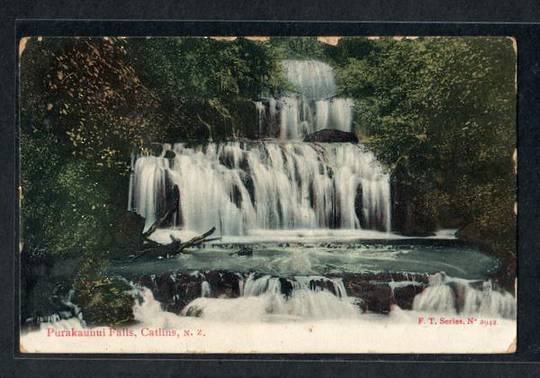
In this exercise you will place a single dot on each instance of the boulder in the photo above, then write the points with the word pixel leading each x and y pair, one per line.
pixel 286 287
pixel 404 296
pixel 173 290
pixel 169 154
pixel 377 297
pixel 331 136
pixel 375 293
pixel 224 284
pixel 245 250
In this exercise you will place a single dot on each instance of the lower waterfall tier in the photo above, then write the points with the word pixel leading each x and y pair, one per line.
pixel 238 186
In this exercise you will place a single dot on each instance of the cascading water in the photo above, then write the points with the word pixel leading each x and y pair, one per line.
pixel 310 107
pixel 451 295
pixel 242 186
pixel 265 299
pixel 287 184
pixel 239 187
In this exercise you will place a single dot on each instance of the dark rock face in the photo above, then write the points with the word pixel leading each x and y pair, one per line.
pixel 404 296
pixel 174 291
pixel 376 297
pixel 45 286
pixel 358 207
pixel 249 185
pixel 322 285
pixel 376 294
pixel 168 202
pixel 286 287
pixel 169 154
pixel 331 136
pixel 224 284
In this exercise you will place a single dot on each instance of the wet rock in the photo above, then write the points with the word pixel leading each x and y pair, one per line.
pixel 169 154
pixel 223 284
pixel 173 290
pixel 146 281
pixel 226 160
pixel 286 287
pixel 245 250
pixel 45 302
pixel 460 292
pixel 186 288
pixel 404 296
pixel 331 136
pixel 165 288
pixel 376 296
pixel 321 284
pixel 189 286
pixel 478 285
pixel 236 196
pixel 359 207
pixel 45 282
pixel 371 291
pixel 361 304
pixel 248 183
pixel 194 311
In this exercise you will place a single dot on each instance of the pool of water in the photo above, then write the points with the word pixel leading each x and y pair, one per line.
pixel 324 259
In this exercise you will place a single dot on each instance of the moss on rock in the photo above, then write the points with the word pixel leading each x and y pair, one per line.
pixel 105 301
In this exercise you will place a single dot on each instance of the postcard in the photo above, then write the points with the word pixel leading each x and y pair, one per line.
pixel 259 194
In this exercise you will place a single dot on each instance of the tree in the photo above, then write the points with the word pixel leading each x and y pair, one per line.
pixel 441 113
pixel 206 87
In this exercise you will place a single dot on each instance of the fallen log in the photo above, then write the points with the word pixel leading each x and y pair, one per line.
pixel 176 246
pixel 194 241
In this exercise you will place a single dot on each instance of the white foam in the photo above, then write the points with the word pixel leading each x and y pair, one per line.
pixel 298 236
pixel 247 332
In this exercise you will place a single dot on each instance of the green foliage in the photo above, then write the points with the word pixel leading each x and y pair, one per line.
pixel 441 113
pixel 88 96
pixel 87 103
pixel 202 83
pixel 299 48
pixel 103 300
pixel 82 108
pixel 65 207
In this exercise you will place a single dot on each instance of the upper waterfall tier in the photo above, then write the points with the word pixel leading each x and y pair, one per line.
pixel 262 185
pixel 312 104
pixel 311 78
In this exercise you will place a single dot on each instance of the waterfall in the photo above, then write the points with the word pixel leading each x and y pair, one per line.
pixel 300 297
pixel 311 106
pixel 266 185
pixel 452 295
pixel 288 184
